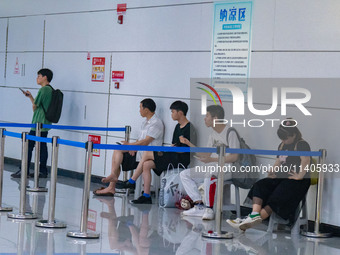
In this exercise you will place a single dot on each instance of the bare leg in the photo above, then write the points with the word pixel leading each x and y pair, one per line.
pixel 264 214
pixel 147 155
pixel 257 207
pixel 147 166
pixel 117 159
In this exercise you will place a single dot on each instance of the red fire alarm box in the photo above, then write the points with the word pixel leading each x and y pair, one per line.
pixel 120 19
pixel 121 10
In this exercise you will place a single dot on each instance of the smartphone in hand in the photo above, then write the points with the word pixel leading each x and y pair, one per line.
pixel 23 91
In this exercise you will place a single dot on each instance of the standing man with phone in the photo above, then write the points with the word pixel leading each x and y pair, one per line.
pixel 40 105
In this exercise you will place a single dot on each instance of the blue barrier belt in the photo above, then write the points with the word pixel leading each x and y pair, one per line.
pixel 71 143
pixel 272 152
pixel 140 148
pixel 166 149
pixel 82 128
pixel 39 139
pixel 203 149
pixel 17 125
pixel 12 134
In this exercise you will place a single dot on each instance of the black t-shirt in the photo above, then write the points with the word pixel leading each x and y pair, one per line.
pixel 292 162
pixel 189 132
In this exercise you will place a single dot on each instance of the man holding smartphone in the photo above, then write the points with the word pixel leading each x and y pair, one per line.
pixel 40 105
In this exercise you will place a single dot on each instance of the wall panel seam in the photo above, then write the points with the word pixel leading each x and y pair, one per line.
pixel 107 10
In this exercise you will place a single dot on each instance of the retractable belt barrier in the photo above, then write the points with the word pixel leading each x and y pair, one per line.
pixel 89 146
pixel 83 128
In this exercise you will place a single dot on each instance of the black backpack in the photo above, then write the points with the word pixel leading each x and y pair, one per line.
pixel 54 110
pixel 243 180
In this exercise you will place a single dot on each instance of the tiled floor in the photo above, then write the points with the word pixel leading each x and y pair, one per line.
pixel 127 229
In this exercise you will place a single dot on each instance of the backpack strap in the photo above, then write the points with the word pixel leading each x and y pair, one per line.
pixel 281 146
pixel 295 147
pixel 230 130
pixel 42 104
pixel 50 86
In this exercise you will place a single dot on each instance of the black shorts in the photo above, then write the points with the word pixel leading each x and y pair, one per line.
pixel 163 159
pixel 129 162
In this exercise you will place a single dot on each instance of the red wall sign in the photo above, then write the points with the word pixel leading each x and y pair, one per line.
pixel 117 75
pixel 121 8
pixel 95 139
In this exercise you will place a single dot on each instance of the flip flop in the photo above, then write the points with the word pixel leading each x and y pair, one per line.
pixel 107 194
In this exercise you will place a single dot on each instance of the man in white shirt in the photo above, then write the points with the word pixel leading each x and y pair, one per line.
pixel 191 178
pixel 152 133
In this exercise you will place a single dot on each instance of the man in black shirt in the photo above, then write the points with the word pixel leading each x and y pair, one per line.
pixel 159 161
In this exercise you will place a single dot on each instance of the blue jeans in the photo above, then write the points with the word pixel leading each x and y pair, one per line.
pixel 43 152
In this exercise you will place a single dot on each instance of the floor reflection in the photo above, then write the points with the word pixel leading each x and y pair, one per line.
pixel 134 229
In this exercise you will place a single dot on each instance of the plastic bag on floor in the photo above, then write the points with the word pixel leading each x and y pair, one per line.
pixel 172 189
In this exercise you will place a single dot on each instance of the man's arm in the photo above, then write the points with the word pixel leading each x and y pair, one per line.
pixel 29 95
pixel 201 155
pixel 146 141
pixel 233 143
pixel 231 157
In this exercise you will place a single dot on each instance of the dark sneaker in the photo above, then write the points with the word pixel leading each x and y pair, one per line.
pixel 125 185
pixel 142 200
pixel 41 175
pixel 17 174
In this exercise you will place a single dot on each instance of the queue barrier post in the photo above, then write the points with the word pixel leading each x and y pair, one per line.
pixel 86 194
pixel 219 234
pixel 51 222
pixel 2 166
pixel 36 187
pixel 317 233
pixel 22 207
pixel 127 139
pixel 127 133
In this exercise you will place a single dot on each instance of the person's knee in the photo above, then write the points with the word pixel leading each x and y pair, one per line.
pixel 147 165
pixel 117 153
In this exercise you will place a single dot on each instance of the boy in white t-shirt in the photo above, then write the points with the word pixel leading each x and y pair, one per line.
pixel 191 178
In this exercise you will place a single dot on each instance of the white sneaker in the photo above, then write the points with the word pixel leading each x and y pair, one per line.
pixel 235 223
pixel 196 211
pixel 208 214
pixel 250 222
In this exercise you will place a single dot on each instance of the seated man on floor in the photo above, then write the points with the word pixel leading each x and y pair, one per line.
pixel 151 133
pixel 159 161
pixel 191 178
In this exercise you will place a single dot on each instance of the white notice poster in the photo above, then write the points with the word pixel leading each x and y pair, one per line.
pixel 231 41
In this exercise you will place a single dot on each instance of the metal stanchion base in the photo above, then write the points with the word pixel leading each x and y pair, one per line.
pixel 6 209
pixel 40 189
pixel 316 235
pixel 22 216
pixel 48 224
pixel 215 235
pixel 85 235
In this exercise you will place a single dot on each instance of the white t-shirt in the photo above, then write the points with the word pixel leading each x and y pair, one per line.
pixel 217 138
pixel 154 128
